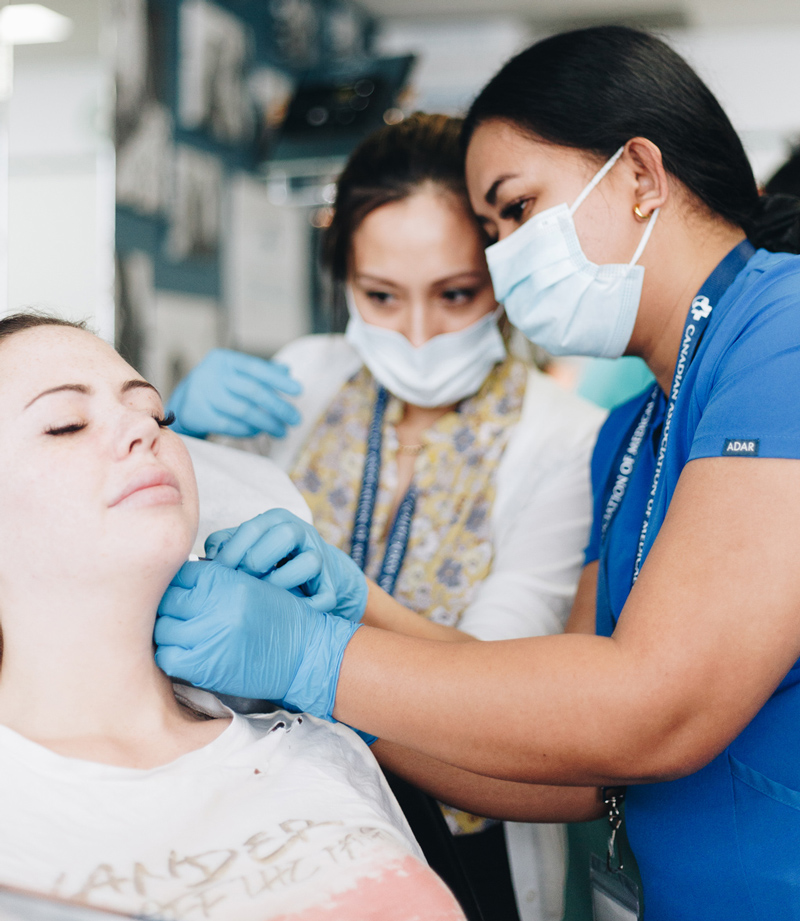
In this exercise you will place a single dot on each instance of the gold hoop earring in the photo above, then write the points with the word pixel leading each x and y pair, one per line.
pixel 638 212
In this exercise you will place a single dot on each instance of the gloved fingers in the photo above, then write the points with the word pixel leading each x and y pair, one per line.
pixel 264 398
pixel 233 427
pixel 188 575
pixel 304 572
pixel 268 372
pixel 184 664
pixel 188 588
pixel 234 414
pixel 264 545
pixel 172 631
pixel 203 415
pixel 323 600
pixel 177 602
pixel 299 570
pixel 216 539
pixel 173 661
pixel 278 549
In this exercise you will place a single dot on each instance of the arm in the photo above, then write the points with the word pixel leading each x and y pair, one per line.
pixel 495 799
pixel 687 668
pixel 501 799
pixel 385 613
pixel 584 610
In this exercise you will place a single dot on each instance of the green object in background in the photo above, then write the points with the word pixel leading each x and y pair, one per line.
pixel 583 840
pixel 608 382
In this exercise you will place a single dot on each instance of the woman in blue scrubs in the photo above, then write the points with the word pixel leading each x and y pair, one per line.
pixel 627 220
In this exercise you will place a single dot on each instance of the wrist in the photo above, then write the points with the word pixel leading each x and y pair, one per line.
pixel 358 599
pixel 313 688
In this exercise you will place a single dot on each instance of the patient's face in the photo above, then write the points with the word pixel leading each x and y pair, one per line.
pixel 90 483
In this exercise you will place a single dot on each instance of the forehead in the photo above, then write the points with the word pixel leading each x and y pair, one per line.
pixel 498 149
pixel 430 218
pixel 47 356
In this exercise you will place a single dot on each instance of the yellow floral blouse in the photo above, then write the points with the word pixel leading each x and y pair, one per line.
pixel 449 550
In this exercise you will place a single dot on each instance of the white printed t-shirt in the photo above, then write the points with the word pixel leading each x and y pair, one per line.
pixel 280 817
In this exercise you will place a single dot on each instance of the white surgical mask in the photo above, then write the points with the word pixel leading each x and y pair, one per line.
pixel 442 371
pixel 555 295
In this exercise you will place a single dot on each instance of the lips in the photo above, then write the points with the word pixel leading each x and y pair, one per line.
pixel 147 478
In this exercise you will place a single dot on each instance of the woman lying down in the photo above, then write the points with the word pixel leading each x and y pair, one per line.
pixel 117 789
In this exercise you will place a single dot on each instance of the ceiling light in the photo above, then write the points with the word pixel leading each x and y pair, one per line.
pixel 32 24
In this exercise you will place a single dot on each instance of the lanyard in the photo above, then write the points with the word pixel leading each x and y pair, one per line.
pixel 397 542
pixel 694 329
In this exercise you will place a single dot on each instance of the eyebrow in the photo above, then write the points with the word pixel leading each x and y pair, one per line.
pixel 367 277
pixel 134 384
pixel 471 274
pixel 491 196
pixel 138 384
pixel 438 283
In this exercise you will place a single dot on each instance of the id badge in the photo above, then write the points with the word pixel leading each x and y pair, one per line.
pixel 615 897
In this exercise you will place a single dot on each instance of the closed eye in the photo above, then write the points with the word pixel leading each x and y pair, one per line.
pixel 163 422
pixel 66 429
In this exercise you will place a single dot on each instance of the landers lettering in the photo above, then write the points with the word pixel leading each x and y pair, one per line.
pixel 741 447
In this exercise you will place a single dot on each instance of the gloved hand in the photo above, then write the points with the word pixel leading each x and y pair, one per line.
pixel 226 631
pixel 230 393
pixel 323 575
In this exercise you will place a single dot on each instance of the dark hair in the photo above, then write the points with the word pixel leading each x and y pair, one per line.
pixel 595 89
pixel 18 322
pixel 388 166
pixel 786 180
pixel 781 193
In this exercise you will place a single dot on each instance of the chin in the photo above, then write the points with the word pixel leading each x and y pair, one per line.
pixel 158 544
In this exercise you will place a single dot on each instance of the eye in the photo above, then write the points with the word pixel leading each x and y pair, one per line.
pixel 515 210
pixel 379 297
pixel 458 295
pixel 165 421
pixel 70 429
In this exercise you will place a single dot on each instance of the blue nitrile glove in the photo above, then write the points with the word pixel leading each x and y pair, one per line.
pixel 230 393
pixel 224 630
pixel 323 575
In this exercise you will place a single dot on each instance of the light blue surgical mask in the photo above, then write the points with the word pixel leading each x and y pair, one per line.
pixel 555 295
pixel 444 370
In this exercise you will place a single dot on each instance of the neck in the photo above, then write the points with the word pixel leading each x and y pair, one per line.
pixel 416 419
pixel 688 253
pixel 79 665
pixel 424 416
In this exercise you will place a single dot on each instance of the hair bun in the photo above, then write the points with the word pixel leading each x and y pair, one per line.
pixel 775 224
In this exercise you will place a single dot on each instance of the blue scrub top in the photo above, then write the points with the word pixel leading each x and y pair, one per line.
pixel 724 843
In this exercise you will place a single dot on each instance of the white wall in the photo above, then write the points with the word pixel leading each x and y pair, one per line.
pixel 754 71
pixel 755 74
pixel 61 184
pixel 456 56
